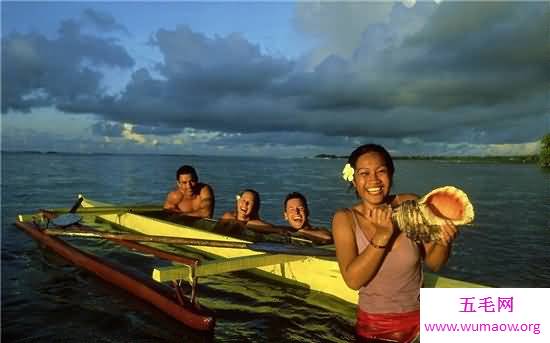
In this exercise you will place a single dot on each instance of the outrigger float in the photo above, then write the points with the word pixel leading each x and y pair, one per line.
pixel 290 260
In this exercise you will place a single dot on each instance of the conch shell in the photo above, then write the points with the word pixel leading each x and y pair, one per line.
pixel 421 219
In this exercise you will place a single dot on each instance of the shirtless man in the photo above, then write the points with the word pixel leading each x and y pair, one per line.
pixel 296 213
pixel 191 197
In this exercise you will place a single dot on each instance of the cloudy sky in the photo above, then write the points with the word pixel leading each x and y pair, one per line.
pixel 275 78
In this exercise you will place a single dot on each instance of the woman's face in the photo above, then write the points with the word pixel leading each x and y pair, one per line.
pixel 245 205
pixel 372 178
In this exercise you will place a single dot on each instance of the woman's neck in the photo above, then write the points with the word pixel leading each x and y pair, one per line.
pixel 242 217
pixel 387 202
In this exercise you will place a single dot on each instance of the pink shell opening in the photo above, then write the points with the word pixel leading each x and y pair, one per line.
pixel 446 206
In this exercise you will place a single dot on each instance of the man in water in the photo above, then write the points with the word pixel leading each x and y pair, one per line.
pixel 191 197
pixel 296 213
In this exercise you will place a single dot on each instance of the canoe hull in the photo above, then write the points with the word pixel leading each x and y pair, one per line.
pixel 319 274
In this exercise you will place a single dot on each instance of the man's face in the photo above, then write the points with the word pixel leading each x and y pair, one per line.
pixel 186 184
pixel 295 213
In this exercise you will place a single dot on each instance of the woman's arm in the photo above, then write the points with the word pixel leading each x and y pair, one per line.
pixel 358 270
pixel 262 226
pixel 228 215
pixel 317 235
pixel 437 253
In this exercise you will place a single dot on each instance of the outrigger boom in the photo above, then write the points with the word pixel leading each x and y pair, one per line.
pixel 177 307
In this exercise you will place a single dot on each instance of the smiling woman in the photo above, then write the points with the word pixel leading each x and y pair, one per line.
pixel 375 257
pixel 247 209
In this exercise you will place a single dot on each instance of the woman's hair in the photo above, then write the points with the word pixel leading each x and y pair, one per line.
pixel 255 213
pixel 296 195
pixel 366 148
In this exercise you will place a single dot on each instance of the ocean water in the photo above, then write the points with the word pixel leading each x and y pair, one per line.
pixel 45 299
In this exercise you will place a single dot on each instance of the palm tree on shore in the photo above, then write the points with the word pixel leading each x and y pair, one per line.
pixel 544 157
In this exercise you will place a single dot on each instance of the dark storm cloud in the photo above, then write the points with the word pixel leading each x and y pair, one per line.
pixel 108 129
pixel 216 66
pixel 457 71
pixel 525 129
pixel 223 83
pixel 471 65
pixel 479 54
pixel 449 74
pixel 37 71
pixel 467 54
pixel 103 21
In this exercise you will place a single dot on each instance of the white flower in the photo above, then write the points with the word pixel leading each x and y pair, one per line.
pixel 347 172
pixel 237 197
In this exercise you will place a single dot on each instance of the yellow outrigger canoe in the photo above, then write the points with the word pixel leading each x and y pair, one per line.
pixel 317 273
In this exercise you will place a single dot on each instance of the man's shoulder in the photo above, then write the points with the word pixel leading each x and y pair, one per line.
pixel 204 189
pixel 202 185
pixel 174 195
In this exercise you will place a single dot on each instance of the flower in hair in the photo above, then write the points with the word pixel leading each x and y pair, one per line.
pixel 347 172
pixel 237 197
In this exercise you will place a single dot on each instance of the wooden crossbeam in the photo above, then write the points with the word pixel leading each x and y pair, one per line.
pixel 183 272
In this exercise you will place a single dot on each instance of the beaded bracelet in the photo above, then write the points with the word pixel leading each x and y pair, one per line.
pixel 378 246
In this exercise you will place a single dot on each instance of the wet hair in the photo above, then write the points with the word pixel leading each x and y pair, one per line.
pixel 296 195
pixel 255 213
pixel 184 170
pixel 366 148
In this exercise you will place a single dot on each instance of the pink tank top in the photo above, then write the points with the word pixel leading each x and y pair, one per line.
pixel 396 286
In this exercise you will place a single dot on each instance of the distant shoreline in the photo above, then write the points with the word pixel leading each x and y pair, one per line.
pixel 459 159
pixel 521 159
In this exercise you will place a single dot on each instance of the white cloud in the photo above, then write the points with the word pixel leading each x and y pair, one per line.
pixel 337 26
pixel 513 149
pixel 129 135
pixel 408 3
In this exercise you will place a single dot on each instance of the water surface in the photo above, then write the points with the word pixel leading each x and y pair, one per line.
pixel 44 299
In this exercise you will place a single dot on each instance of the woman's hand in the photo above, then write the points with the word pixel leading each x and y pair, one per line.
pixel 380 218
pixel 437 252
pixel 448 234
